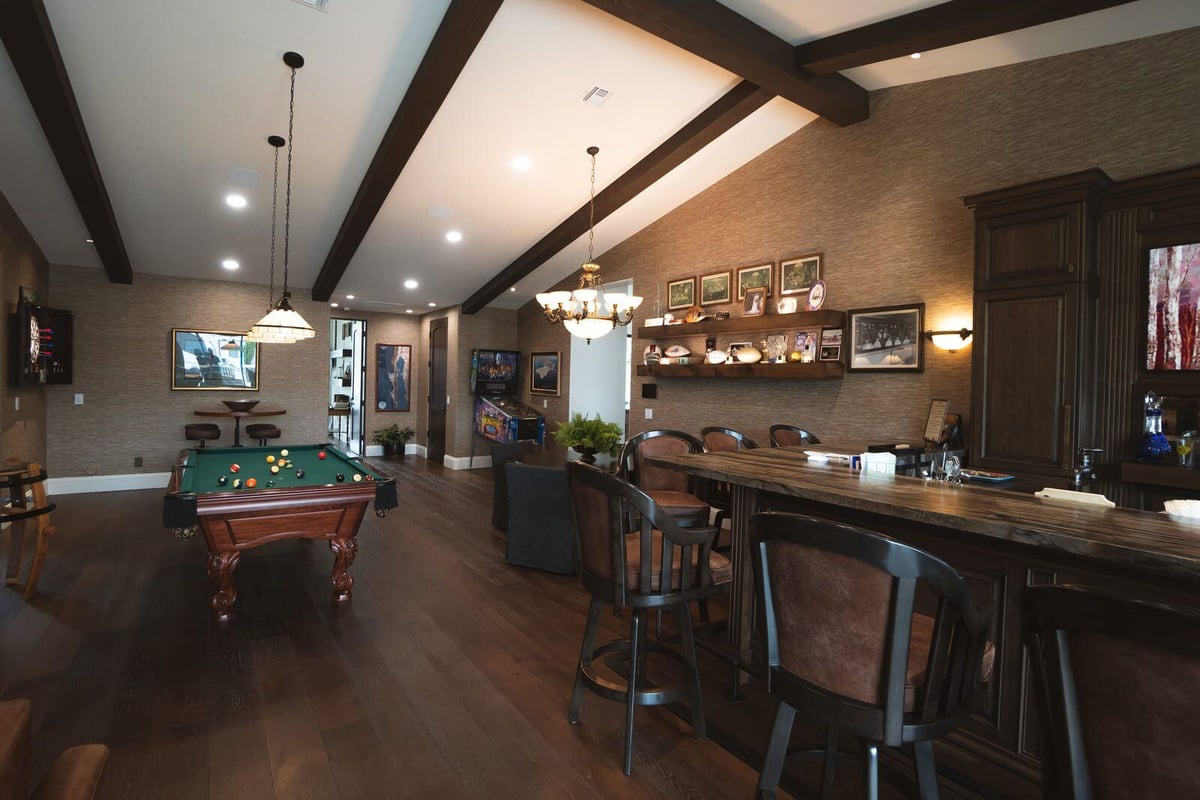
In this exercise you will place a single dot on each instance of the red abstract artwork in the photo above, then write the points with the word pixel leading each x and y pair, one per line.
pixel 1172 342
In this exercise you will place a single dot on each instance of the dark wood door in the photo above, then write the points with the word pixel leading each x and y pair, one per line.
pixel 1026 375
pixel 1044 245
pixel 438 359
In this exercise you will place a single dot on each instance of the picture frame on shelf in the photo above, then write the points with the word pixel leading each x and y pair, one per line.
pixel 544 374
pixel 716 289
pixel 806 342
pixel 758 276
pixel 213 360
pixel 754 303
pixel 797 275
pixel 393 376
pixel 831 344
pixel 887 339
pixel 681 293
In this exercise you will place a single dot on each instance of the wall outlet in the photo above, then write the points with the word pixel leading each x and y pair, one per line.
pixel 649 413
pixel 545 403
pixel 137 461
pixel 79 398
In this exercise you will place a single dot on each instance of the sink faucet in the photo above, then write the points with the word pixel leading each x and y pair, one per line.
pixel 1084 475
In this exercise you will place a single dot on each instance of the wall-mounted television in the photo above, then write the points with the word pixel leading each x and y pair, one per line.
pixel 1173 321
pixel 496 372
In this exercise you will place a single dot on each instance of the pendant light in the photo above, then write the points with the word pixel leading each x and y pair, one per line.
pixel 588 312
pixel 282 325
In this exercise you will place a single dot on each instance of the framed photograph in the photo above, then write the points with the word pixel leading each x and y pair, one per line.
pixel 887 339
pixel 393 377
pixel 716 289
pixel 681 293
pixel 220 360
pixel 755 302
pixel 543 373
pixel 754 278
pixel 797 275
pixel 831 344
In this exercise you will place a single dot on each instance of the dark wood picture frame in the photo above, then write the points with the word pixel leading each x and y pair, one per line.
pixel 681 293
pixel 750 278
pixel 797 275
pixel 204 361
pixel 886 339
pixel 393 377
pixel 544 373
pixel 754 304
pixel 710 291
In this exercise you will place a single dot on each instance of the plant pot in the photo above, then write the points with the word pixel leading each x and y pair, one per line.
pixel 392 449
pixel 586 454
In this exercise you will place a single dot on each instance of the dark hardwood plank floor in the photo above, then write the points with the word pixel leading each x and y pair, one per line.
pixel 448 674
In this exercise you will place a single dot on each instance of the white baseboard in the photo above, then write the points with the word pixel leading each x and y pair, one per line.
pixel 409 450
pixel 108 483
pixel 464 462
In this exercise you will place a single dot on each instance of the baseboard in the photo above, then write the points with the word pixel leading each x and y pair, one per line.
pixel 108 483
pixel 376 450
pixel 464 462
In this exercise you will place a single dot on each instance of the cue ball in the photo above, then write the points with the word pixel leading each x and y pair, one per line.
pixel 299 473
pixel 283 453
pixel 237 483
pixel 251 483
pixel 274 469
pixel 340 478
pixel 234 468
pixel 321 455
pixel 222 480
pixel 357 477
pixel 270 459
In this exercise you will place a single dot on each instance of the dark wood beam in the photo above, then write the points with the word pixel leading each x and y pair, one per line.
pixel 733 107
pixel 718 34
pixel 937 26
pixel 462 27
pixel 29 40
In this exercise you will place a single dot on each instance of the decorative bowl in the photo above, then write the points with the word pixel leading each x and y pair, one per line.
pixel 240 405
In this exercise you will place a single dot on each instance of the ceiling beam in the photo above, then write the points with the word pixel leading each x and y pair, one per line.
pixel 734 106
pixel 942 25
pixel 29 40
pixel 461 29
pixel 720 35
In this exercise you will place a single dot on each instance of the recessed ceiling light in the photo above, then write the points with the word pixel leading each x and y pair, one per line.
pixel 235 200
pixel 408 311
pixel 453 237
pixel 521 163
pixel 230 263
pixel 512 288
pixel 433 305
pixel 411 284
pixel 349 297
pixel 333 305
pixel 915 56
pixel 90 241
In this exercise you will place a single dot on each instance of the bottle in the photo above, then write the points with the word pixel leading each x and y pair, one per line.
pixel 1154 442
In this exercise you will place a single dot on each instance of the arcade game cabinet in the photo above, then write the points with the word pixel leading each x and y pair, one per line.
pixel 499 415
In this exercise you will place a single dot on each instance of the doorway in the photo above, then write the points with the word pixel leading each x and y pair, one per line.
pixel 438 398
pixel 601 372
pixel 347 383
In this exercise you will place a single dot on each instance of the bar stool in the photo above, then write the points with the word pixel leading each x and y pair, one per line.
pixel 263 431
pixel 74 775
pixel 1116 681
pixel 790 435
pixel 634 555
pixel 846 650
pixel 717 439
pixel 202 432
pixel 674 492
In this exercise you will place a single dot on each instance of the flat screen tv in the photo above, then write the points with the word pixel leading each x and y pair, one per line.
pixel 1173 321
pixel 496 372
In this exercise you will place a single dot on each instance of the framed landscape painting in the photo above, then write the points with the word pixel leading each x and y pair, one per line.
pixel 681 293
pixel 543 373
pixel 393 371
pixel 716 289
pixel 754 278
pixel 797 275
pixel 887 339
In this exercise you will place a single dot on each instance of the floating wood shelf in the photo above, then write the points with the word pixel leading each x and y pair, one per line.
pixel 817 370
pixel 738 325
pixel 1168 475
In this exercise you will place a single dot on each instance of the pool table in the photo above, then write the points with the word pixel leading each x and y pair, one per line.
pixel 315 506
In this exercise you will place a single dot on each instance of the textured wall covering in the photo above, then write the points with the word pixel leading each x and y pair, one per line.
pixel 123 369
pixel 23 432
pixel 882 201
pixel 396 329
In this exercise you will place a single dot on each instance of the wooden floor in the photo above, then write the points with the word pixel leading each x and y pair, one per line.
pixel 448 675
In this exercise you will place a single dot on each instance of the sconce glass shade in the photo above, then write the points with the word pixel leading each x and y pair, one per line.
pixel 950 340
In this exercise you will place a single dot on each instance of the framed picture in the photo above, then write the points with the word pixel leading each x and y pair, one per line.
pixel 393 376
pixel 797 275
pixel 222 360
pixel 715 289
pixel 754 278
pixel 755 302
pixel 543 373
pixel 681 293
pixel 831 344
pixel 887 339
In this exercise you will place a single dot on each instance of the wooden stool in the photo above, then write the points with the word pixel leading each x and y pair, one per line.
pixel 34 477
pixel 74 775
pixel 202 432
pixel 263 431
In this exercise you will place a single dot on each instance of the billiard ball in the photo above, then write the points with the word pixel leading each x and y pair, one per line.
pixel 357 477
pixel 237 483
pixel 270 459
pixel 340 478
pixel 274 469
pixel 283 453
pixel 299 473
pixel 321 455
pixel 270 484
pixel 222 480
pixel 251 483
pixel 234 468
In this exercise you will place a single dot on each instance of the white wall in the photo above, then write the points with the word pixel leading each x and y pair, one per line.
pixel 599 373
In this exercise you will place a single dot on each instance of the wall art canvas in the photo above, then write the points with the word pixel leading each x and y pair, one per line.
pixel 393 374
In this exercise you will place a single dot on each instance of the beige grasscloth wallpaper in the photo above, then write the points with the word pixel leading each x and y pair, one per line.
pixel 882 201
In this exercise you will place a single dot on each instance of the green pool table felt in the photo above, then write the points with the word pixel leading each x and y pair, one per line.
pixel 205 465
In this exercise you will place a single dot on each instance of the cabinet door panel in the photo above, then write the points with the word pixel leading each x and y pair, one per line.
pixel 1025 379
pixel 1036 247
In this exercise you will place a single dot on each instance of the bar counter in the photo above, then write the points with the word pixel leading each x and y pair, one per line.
pixel 1000 541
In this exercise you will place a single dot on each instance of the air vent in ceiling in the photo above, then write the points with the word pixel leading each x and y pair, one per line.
pixel 319 5
pixel 596 96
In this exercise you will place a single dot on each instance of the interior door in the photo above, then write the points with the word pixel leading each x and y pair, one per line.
pixel 437 399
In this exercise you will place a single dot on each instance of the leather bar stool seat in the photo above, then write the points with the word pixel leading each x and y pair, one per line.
pixel 263 431
pixel 74 775
pixel 202 432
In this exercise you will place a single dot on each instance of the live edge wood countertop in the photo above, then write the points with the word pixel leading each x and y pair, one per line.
pixel 1121 539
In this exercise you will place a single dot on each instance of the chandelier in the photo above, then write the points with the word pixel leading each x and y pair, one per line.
pixel 589 312
pixel 282 324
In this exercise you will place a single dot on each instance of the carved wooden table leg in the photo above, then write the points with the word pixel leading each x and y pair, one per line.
pixel 344 551
pixel 220 571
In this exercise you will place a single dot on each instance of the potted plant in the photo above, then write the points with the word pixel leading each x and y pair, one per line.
pixel 588 436
pixel 392 439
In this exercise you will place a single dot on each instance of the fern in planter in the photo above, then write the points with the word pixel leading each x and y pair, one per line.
pixel 588 436
pixel 392 439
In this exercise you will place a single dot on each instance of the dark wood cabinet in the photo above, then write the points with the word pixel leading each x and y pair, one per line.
pixel 1045 245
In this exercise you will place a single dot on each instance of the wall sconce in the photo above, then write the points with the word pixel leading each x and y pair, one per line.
pixel 950 340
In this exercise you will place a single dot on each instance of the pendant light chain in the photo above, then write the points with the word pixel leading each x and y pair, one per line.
pixel 287 207
pixel 274 205
pixel 592 211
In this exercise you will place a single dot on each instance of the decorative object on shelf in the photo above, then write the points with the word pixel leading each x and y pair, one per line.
pixel 543 373
pixel 816 296
pixel 695 314
pixel 282 324
pixel 754 278
pixel 651 356
pixel 199 361
pixel 677 351
pixel 589 312
pixel 1154 444
pixel 393 376
pixel 776 348
pixel 588 436
pixel 749 355
pixel 681 293
pixel 787 305
pixel 716 289
pixel 755 302
pixel 831 344
pixel 950 340
pixel 735 346
pixel 658 307
pixel 716 357
pixel 887 339
pixel 392 439
pixel 721 315
pixel 798 275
